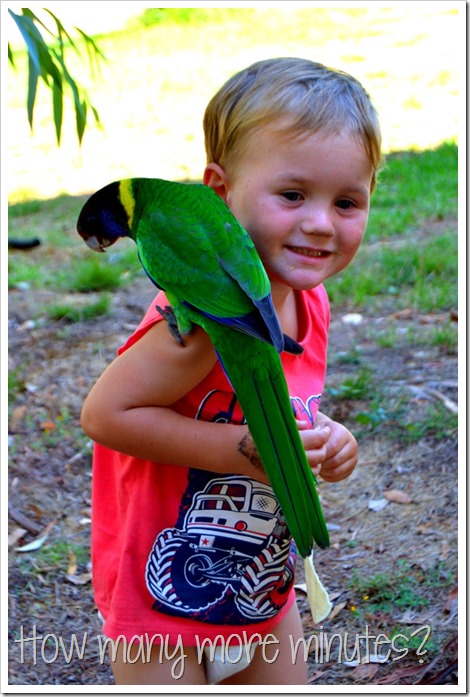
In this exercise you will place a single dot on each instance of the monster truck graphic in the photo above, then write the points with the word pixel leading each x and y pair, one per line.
pixel 233 547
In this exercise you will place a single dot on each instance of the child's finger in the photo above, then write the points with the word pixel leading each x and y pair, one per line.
pixel 302 425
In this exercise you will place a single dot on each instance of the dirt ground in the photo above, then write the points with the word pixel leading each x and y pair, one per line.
pixel 391 570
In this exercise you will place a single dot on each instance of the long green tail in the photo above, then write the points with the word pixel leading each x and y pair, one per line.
pixel 256 374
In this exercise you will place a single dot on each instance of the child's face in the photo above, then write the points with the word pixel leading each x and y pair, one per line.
pixel 304 202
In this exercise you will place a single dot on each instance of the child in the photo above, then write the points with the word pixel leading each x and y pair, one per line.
pixel 188 542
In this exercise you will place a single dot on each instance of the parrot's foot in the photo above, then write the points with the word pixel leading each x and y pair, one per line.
pixel 169 317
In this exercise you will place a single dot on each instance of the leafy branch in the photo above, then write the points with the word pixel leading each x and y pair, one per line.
pixel 48 63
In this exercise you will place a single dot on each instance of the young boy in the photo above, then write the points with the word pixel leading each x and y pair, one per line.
pixel 186 541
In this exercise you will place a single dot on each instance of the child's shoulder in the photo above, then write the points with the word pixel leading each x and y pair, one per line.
pixel 313 313
pixel 315 300
pixel 151 317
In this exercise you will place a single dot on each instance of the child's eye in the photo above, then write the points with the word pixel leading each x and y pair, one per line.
pixel 345 204
pixel 291 196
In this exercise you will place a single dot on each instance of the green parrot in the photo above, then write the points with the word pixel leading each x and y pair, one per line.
pixel 193 248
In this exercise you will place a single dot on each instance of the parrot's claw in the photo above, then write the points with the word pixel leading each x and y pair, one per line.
pixel 169 316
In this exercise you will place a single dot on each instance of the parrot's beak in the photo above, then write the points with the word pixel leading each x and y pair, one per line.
pixel 95 244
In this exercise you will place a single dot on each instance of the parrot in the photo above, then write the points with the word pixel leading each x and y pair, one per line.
pixel 193 248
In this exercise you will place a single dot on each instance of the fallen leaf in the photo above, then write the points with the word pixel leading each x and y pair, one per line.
pixel 35 544
pixel 17 415
pixel 336 610
pixel 80 579
pixel 397 496
pixel 452 601
pixel 47 425
pixel 38 542
pixel 431 319
pixel 302 587
pixel 72 567
pixel 365 671
pixel 403 314
pixel 377 504
pixel 39 513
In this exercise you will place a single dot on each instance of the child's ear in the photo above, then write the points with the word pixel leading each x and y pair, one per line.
pixel 216 177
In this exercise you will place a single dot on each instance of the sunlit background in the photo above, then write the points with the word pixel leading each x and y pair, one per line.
pixel 152 91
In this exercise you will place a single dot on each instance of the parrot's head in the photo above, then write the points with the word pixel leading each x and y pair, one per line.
pixel 107 215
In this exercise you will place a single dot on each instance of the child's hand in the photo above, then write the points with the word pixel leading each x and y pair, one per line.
pixel 315 442
pixel 330 448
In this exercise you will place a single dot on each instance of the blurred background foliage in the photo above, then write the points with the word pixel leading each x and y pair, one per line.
pixel 163 65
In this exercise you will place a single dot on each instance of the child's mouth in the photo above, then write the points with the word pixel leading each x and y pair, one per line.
pixel 308 252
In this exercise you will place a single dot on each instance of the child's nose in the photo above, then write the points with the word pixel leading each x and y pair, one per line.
pixel 318 221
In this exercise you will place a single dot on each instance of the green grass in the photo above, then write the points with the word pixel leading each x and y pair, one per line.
pixel 52 557
pixel 405 587
pixel 413 186
pixel 393 416
pixel 437 423
pixel 417 192
pixel 420 275
pixel 16 383
pixel 446 337
pixel 415 268
pixel 62 262
pixel 73 313
pixel 386 591
pixel 357 386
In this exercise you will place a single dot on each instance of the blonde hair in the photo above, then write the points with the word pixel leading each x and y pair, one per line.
pixel 305 97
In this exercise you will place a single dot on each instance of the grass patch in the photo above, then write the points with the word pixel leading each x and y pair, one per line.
pixel 414 186
pixel 405 587
pixel 54 556
pixel 421 276
pixel 398 419
pixel 445 337
pixel 90 275
pixel 387 591
pixel 437 423
pixel 415 191
pixel 358 386
pixel 16 383
pixel 62 261
pixel 73 313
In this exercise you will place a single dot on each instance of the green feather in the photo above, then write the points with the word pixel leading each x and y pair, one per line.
pixel 255 372
pixel 193 248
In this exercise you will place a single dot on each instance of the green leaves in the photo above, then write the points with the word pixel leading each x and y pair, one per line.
pixel 48 63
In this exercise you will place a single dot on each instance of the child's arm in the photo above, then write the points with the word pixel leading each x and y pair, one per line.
pixel 129 408
pixel 340 448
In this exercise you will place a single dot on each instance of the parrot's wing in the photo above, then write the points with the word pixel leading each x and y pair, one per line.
pixel 232 289
pixel 192 246
pixel 254 282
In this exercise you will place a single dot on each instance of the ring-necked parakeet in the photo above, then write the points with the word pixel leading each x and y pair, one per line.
pixel 193 248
